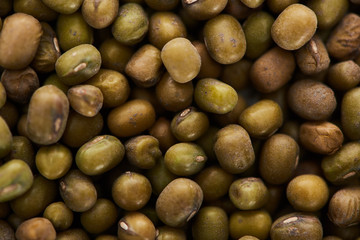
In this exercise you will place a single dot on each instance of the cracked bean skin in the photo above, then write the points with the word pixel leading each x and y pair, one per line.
pixel 20 84
pixel 48 51
pixel 344 41
pixel 321 137
pixel 344 207
pixel 313 57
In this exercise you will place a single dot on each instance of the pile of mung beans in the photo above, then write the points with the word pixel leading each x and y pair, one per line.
pixel 179 119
